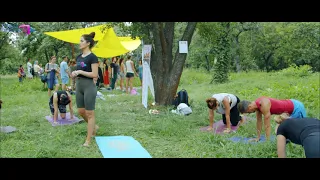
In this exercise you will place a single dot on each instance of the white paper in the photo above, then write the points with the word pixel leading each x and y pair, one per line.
pixel 183 46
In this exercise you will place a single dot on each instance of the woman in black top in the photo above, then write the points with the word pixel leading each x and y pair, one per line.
pixel 114 72
pixel 59 101
pixel 86 74
pixel 302 131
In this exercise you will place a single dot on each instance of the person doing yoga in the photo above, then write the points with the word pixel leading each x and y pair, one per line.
pixel 59 101
pixel 269 106
pixel 302 131
pixel 225 104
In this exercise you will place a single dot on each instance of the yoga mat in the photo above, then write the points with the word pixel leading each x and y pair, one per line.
pixel 62 122
pixel 7 129
pixel 219 127
pixel 121 147
pixel 246 140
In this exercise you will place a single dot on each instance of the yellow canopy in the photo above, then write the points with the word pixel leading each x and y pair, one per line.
pixel 73 36
pixel 109 45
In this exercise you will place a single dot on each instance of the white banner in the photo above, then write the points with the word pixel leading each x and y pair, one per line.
pixel 147 80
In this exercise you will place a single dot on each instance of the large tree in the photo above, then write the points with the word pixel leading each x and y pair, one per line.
pixel 166 65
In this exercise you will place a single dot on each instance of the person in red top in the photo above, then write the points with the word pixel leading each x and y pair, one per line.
pixel 269 106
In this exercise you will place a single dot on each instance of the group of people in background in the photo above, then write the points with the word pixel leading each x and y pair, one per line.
pixel 119 71
pixel 33 71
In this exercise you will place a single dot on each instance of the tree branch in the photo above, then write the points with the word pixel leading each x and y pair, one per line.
pixel 169 34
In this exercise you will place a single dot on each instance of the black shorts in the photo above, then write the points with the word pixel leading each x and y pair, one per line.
pixel 62 108
pixel 130 75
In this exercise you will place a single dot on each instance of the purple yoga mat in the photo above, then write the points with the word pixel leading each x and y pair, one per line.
pixel 66 121
pixel 219 127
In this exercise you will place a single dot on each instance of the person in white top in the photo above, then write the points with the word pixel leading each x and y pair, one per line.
pixel 36 69
pixel 29 66
pixel 131 71
pixel 225 104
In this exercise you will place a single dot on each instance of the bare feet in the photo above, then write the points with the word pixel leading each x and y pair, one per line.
pixel 241 121
pixel 95 130
pixel 86 144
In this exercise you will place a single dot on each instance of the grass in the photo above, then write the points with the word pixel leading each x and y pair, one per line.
pixel 165 135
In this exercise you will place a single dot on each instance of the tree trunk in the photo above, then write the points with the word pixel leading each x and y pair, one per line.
pixel 56 50
pixel 46 53
pixel 267 60
pixel 208 63
pixel 237 58
pixel 72 50
pixel 166 69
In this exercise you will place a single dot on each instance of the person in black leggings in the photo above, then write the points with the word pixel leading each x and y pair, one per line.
pixel 302 131
pixel 86 91
pixel 225 104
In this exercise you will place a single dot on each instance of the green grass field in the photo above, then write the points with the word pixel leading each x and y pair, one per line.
pixel 164 136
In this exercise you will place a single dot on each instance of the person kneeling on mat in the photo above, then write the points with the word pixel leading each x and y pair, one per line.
pixel 59 101
pixel 269 106
pixel 302 131
pixel 225 104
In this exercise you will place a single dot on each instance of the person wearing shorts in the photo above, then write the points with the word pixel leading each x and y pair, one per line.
pixel 86 91
pixel 59 101
pixel 130 74
pixel 64 72
pixel 270 106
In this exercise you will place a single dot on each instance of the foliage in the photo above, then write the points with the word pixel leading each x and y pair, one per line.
pixel 163 136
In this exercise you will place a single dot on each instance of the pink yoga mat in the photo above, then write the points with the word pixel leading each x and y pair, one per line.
pixel 219 127
pixel 66 121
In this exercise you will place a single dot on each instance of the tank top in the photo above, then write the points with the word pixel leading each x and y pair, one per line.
pixel 59 93
pixel 129 67
pixel 278 106
pixel 232 98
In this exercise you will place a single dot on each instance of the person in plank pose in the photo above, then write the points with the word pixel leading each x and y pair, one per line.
pixel 267 106
pixel 302 131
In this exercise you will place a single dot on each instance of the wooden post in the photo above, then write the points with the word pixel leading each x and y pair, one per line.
pixel 72 50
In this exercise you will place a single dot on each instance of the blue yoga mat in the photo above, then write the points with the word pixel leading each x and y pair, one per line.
pixel 121 147
pixel 246 140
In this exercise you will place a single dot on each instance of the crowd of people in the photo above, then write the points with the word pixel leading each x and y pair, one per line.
pixel 87 74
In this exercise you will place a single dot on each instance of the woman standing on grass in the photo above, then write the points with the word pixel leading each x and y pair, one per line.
pixel 302 131
pixel 52 66
pixel 140 70
pixel 113 73
pixel 87 71
pixel 131 71
pixel 106 73
pixel 225 104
